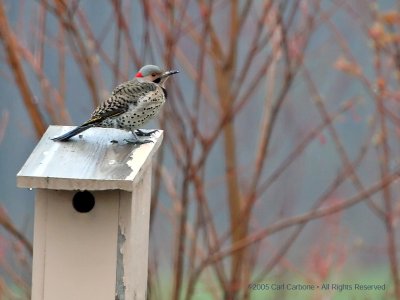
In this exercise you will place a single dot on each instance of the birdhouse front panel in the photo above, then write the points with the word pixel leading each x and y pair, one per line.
pixel 80 247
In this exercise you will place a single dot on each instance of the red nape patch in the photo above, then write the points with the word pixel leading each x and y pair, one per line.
pixel 139 75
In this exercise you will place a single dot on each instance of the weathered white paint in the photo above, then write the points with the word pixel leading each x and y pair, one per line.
pixel 91 162
pixel 134 214
pixel 102 254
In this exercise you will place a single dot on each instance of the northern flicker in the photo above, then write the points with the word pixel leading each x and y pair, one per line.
pixel 130 105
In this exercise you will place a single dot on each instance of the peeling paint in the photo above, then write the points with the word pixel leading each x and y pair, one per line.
pixel 131 164
pixel 120 284
pixel 137 159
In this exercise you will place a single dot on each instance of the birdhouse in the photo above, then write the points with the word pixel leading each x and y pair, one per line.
pixel 92 211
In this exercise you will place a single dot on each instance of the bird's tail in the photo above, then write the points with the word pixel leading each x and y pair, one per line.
pixel 70 134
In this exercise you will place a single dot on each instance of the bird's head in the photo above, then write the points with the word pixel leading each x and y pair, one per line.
pixel 154 74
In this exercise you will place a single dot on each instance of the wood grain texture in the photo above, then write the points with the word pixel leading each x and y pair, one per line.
pixel 90 162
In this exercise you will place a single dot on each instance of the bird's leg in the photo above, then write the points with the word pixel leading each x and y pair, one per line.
pixel 136 140
pixel 140 132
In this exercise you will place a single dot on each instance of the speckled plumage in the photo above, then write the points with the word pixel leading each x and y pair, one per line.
pixel 131 104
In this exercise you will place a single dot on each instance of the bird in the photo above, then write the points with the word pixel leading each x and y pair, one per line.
pixel 130 105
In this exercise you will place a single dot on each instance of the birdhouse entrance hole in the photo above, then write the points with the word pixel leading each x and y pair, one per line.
pixel 83 202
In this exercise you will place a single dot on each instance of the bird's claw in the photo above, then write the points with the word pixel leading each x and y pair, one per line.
pixel 140 132
pixel 138 142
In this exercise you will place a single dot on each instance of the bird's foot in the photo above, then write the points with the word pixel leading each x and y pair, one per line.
pixel 138 142
pixel 140 132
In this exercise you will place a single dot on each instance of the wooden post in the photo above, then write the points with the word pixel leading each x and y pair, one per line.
pixel 92 211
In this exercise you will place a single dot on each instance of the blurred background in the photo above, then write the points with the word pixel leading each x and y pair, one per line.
pixel 281 149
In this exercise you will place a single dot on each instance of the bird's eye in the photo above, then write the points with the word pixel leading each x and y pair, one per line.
pixel 154 74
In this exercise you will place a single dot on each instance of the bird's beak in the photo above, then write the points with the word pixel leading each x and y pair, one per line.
pixel 169 73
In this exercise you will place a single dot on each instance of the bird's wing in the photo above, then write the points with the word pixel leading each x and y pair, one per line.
pixel 121 99
pixel 98 117
pixel 120 88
